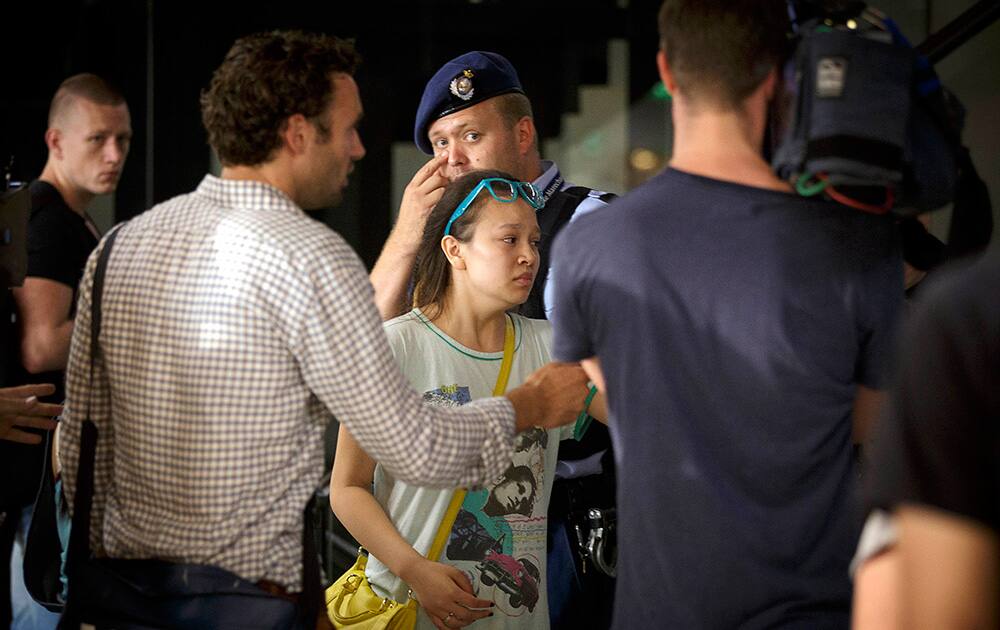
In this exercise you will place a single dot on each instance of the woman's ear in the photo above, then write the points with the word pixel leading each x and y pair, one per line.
pixel 452 248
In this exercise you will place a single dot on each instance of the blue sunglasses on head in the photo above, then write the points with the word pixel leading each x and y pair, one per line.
pixel 501 189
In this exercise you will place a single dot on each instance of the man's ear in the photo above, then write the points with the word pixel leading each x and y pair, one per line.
pixel 452 249
pixel 524 131
pixel 295 132
pixel 53 140
pixel 666 73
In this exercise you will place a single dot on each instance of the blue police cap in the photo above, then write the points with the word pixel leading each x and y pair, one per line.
pixel 463 82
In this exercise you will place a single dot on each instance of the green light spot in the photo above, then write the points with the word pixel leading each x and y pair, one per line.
pixel 659 92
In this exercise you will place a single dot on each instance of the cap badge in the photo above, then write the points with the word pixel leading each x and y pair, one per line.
pixel 461 86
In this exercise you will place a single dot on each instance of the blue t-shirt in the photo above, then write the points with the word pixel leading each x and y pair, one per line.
pixel 732 325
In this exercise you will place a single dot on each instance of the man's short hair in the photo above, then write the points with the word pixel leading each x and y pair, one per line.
pixel 264 79
pixel 513 107
pixel 721 50
pixel 86 86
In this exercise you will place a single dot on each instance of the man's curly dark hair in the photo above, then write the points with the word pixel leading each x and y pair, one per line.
pixel 264 79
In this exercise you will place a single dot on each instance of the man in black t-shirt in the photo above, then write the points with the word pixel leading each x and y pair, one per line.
pixel 88 137
pixel 739 332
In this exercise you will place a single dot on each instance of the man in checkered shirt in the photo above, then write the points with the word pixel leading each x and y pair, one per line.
pixel 235 327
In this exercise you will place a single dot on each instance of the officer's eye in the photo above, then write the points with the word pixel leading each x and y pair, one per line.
pixel 472 136
pixel 441 143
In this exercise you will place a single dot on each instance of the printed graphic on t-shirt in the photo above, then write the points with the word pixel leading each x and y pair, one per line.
pixel 499 534
pixel 448 395
pixel 519 579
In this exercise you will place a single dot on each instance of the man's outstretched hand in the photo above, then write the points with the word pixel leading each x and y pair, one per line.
pixel 20 409
pixel 551 397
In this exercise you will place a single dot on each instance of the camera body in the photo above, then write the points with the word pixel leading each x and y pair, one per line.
pixel 863 119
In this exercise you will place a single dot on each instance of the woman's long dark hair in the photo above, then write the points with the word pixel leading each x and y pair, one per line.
pixel 432 273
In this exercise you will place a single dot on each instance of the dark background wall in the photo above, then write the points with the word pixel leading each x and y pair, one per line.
pixel 162 53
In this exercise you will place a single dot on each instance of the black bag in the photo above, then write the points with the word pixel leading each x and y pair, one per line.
pixel 141 594
pixel 42 548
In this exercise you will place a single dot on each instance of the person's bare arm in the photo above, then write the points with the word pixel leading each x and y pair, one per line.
pixel 440 589
pixel 950 578
pixel 20 409
pixel 592 367
pixel 44 307
pixel 599 405
pixel 868 405
pixel 598 409
pixel 392 271
pixel 876 593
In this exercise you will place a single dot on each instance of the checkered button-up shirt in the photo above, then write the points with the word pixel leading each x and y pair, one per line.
pixel 233 327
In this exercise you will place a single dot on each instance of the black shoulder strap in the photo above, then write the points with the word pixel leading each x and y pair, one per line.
pixel 312 587
pixel 79 538
pixel 972 213
pixel 551 219
pixel 561 207
pixel 97 292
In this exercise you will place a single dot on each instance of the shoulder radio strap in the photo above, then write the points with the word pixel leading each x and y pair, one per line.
pixel 551 219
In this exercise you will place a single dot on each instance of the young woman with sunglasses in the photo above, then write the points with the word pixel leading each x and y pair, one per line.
pixel 477 261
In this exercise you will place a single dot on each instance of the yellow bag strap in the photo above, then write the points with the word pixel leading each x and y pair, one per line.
pixel 508 358
pixel 441 538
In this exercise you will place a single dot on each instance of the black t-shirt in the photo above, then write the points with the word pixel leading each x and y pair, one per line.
pixel 59 244
pixel 732 325
pixel 939 444
pixel 59 241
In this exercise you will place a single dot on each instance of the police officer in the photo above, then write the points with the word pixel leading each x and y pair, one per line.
pixel 474 115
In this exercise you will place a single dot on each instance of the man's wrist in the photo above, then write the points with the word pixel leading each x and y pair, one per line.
pixel 526 406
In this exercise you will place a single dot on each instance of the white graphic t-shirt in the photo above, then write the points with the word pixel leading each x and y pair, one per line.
pixel 498 538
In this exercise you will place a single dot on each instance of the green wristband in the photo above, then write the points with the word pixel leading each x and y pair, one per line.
pixel 583 420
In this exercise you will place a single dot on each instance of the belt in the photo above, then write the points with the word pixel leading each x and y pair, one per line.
pixel 273 588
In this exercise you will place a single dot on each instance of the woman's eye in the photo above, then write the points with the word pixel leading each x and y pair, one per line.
pixel 510 239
